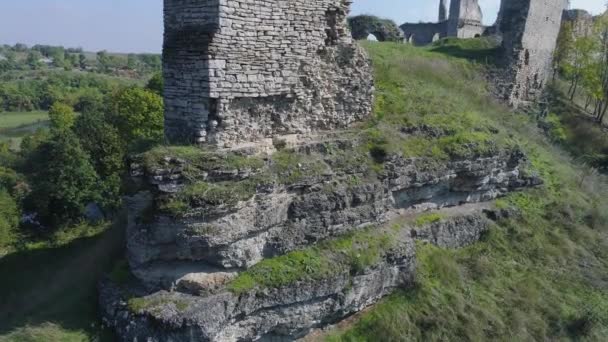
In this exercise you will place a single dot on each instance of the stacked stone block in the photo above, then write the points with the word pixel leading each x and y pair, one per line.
pixel 239 71
pixel 529 29
pixel 465 19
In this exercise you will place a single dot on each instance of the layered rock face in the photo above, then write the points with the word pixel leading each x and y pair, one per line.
pixel 529 29
pixel 190 264
pixel 277 218
pixel 239 71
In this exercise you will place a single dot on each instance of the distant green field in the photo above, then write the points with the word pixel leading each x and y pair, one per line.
pixel 16 125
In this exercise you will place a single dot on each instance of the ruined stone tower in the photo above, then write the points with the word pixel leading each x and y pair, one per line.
pixel 465 19
pixel 529 29
pixel 443 11
pixel 239 71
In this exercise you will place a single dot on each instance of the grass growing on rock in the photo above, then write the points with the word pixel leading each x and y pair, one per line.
pixel 352 253
pixel 426 219
pixel 539 275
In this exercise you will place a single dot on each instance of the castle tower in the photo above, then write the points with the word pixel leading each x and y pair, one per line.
pixel 529 29
pixel 465 19
pixel 244 71
pixel 443 11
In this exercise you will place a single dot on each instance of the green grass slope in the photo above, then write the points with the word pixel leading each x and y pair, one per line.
pixel 540 275
pixel 49 290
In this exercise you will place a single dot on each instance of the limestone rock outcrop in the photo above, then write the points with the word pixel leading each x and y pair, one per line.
pixel 288 312
pixel 198 236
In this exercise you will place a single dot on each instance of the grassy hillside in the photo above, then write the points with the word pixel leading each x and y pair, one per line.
pixel 541 274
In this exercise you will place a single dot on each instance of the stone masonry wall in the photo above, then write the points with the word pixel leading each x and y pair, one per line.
pixel 465 19
pixel 239 71
pixel 529 29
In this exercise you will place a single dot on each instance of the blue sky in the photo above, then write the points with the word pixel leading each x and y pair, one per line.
pixel 136 25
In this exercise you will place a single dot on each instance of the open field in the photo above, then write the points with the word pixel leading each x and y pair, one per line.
pixel 16 125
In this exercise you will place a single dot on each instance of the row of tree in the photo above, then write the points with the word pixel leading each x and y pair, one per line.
pixel 583 60
pixel 21 57
pixel 78 162
pixel 20 91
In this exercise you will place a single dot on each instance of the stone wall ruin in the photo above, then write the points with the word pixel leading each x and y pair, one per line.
pixel 529 30
pixel 239 71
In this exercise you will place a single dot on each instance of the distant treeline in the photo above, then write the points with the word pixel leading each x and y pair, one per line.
pixel 22 57
pixel 38 90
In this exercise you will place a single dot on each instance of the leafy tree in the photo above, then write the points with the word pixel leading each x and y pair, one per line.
pixel 565 45
pixel 107 151
pixel 580 62
pixel 9 219
pixel 33 60
pixel 63 180
pixel 138 115
pixel 103 61
pixel 82 61
pixel 156 83
pixel 62 117
pixel 90 100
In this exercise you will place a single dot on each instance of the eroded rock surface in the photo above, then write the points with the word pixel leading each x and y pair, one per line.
pixel 239 71
pixel 289 312
pixel 281 218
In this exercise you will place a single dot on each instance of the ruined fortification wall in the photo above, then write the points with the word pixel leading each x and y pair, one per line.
pixel 529 29
pixel 581 20
pixel 424 33
pixel 465 19
pixel 238 71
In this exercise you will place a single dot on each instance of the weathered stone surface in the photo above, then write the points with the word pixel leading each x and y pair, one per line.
pixel 287 313
pixel 529 29
pixel 582 22
pixel 282 218
pixel 465 19
pixel 456 232
pixel 239 71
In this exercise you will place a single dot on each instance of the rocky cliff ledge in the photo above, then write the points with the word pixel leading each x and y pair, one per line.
pixel 231 246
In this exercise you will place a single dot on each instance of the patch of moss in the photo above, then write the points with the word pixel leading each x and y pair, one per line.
pixel 349 254
pixel 429 218
pixel 290 167
pixel 200 158
pixel 199 194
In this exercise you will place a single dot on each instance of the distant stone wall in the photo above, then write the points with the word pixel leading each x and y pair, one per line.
pixel 529 30
pixel 465 19
pixel 424 33
pixel 238 71
pixel 581 20
pixel 385 30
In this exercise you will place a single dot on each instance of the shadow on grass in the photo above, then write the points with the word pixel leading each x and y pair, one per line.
pixel 482 50
pixel 58 285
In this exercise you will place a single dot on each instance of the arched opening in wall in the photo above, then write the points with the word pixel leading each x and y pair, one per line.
pixel 477 35
pixel 372 37
pixel 379 36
